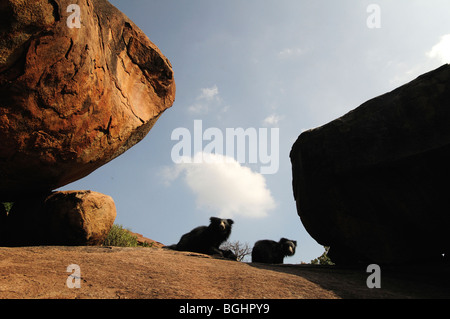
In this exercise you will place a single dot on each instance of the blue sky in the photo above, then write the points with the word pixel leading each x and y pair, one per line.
pixel 289 64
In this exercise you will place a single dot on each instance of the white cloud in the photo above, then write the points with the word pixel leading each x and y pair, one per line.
pixel 290 52
pixel 209 94
pixel 272 120
pixel 439 54
pixel 206 100
pixel 198 108
pixel 221 185
pixel 441 51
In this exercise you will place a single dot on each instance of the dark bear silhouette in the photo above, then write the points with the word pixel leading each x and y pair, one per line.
pixel 207 239
pixel 272 252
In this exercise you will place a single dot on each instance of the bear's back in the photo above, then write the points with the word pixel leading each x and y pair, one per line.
pixel 265 251
pixel 193 240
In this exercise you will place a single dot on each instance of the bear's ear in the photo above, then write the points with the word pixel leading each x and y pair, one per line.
pixel 295 243
pixel 283 240
pixel 214 219
pixel 230 221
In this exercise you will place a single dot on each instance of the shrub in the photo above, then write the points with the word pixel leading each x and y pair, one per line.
pixel 241 250
pixel 120 237
pixel 323 259
pixel 8 206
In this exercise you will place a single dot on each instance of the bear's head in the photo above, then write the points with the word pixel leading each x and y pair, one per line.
pixel 288 246
pixel 222 226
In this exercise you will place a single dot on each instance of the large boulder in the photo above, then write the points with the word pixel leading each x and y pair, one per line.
pixel 73 99
pixel 60 218
pixel 373 184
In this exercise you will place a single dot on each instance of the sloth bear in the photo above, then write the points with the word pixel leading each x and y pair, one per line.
pixel 271 252
pixel 207 239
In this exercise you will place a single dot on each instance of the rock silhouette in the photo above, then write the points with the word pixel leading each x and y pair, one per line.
pixel 61 218
pixel 372 184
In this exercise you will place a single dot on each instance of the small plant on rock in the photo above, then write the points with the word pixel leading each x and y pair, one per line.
pixel 120 237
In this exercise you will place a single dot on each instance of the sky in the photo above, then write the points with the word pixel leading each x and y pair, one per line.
pixel 270 69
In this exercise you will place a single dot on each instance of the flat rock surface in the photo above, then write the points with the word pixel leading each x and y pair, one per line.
pixel 116 273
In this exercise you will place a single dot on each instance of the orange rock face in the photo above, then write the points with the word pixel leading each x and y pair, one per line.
pixel 73 99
